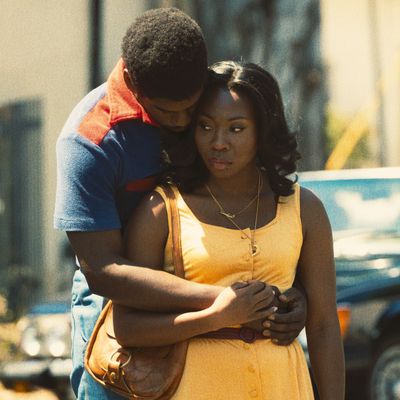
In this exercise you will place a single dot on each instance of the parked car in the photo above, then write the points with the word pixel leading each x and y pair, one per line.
pixel 364 209
pixel 44 348
pixel 372 334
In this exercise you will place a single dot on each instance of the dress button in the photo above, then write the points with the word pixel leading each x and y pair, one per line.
pixel 253 393
pixel 251 368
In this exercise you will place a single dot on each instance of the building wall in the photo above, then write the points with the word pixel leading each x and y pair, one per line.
pixel 44 56
pixel 117 16
pixel 389 39
pixel 361 48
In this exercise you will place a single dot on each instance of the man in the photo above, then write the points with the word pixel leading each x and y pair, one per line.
pixel 109 154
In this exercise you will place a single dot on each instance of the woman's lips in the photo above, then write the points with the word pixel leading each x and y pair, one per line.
pixel 219 164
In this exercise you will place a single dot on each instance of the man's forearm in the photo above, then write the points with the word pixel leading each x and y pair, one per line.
pixel 148 289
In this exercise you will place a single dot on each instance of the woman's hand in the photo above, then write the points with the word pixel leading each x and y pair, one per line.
pixel 242 302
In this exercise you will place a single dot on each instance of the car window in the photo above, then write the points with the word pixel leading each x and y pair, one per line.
pixel 371 204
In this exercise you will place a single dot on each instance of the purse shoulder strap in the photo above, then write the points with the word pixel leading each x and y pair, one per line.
pixel 175 231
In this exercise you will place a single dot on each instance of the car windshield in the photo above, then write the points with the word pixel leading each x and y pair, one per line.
pixel 359 204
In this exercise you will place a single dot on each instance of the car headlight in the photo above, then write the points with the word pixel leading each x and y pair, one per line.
pixel 46 336
pixel 31 341
pixel 56 341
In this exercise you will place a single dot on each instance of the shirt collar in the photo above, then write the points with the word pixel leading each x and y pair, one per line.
pixel 123 104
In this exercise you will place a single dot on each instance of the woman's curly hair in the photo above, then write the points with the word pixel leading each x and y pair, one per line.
pixel 277 147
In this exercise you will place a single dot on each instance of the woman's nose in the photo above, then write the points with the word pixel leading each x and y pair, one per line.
pixel 220 143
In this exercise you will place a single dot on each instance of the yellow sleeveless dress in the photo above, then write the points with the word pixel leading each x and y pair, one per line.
pixel 232 369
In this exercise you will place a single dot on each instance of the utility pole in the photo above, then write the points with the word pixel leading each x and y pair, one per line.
pixel 377 74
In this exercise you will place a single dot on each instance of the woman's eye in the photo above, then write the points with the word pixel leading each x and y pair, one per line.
pixel 237 129
pixel 205 127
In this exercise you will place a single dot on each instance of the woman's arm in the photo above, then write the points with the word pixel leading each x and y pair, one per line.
pixel 235 305
pixel 317 274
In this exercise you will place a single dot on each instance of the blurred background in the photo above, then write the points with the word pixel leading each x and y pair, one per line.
pixel 337 62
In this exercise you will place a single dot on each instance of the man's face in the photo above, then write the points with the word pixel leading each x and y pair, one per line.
pixel 173 115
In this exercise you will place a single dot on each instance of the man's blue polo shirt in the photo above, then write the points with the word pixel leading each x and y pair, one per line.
pixel 107 156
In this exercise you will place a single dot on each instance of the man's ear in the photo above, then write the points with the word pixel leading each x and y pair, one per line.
pixel 129 83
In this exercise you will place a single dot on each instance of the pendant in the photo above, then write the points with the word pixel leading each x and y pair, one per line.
pixel 254 249
pixel 227 215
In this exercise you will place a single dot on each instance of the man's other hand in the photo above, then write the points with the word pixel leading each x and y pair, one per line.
pixel 284 326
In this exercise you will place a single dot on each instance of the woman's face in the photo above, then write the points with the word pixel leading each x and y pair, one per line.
pixel 226 133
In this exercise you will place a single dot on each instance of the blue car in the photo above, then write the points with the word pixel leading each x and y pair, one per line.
pixel 364 210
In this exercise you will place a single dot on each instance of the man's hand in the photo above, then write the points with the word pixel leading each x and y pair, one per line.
pixel 285 325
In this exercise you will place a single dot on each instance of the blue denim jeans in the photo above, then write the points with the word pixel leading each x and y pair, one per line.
pixel 85 310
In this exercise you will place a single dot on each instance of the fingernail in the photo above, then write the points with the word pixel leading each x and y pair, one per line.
pixel 267 324
pixel 266 333
pixel 273 291
pixel 274 309
pixel 275 341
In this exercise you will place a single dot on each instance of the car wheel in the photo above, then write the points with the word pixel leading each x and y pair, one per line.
pixel 385 374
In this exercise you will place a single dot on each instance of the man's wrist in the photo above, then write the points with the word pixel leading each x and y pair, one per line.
pixel 209 294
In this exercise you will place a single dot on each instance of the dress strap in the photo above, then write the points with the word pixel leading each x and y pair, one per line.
pixel 290 205
pixel 296 188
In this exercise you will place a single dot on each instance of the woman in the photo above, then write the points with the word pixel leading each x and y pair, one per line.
pixel 242 219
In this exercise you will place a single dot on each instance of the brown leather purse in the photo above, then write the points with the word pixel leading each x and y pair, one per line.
pixel 151 373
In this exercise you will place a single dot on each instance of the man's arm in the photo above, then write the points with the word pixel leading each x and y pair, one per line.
pixel 111 275
pixel 86 210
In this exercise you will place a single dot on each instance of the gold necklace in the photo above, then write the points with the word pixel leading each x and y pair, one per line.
pixel 254 249
pixel 231 215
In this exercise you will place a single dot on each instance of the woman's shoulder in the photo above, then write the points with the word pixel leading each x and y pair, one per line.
pixel 311 207
pixel 308 197
pixel 153 205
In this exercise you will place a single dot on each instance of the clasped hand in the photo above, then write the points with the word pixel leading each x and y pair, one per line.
pixel 262 307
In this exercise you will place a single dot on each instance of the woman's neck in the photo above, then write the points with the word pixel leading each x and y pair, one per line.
pixel 243 184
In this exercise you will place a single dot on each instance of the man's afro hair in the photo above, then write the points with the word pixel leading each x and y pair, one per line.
pixel 165 54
